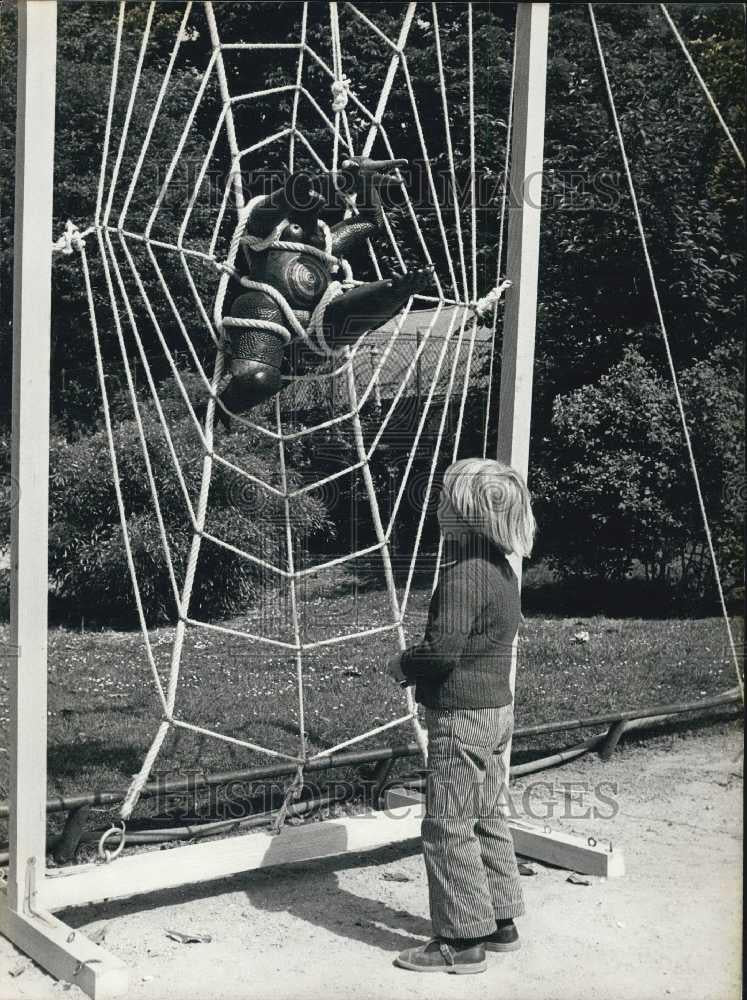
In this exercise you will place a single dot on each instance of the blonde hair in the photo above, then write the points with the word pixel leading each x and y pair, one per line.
pixel 493 500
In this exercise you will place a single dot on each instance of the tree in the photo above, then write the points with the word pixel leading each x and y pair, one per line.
pixel 619 478
pixel 595 302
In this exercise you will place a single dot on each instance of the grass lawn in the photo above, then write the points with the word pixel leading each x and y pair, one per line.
pixel 103 711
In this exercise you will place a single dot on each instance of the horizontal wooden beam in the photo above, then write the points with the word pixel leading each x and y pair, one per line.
pixel 571 851
pixel 566 850
pixel 150 871
pixel 65 953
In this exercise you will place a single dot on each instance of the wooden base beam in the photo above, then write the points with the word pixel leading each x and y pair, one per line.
pixel 155 870
pixel 566 850
pixel 571 851
pixel 65 953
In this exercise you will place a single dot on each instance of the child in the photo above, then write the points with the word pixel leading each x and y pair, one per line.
pixel 461 675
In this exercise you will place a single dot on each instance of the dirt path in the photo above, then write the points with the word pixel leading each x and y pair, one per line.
pixel 670 928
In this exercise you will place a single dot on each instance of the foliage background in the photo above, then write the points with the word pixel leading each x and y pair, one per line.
pixel 612 489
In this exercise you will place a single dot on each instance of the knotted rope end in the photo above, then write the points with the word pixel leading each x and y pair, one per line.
pixel 71 239
pixel 293 794
pixel 340 94
pixel 487 302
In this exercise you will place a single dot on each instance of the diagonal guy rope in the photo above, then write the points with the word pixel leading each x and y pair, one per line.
pixel 667 348
pixel 704 86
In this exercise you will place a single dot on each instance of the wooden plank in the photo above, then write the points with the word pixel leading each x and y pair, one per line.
pixel 524 215
pixel 150 871
pixel 65 953
pixel 522 261
pixel 566 850
pixel 37 35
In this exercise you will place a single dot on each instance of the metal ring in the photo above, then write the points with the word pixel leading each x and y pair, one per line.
pixel 592 841
pixel 106 855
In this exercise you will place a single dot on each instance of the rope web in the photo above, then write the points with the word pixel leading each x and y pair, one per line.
pixel 135 265
pixel 130 294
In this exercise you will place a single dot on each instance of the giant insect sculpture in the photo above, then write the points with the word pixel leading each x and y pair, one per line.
pixel 301 304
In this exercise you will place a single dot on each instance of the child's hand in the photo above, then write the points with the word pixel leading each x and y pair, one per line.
pixel 394 669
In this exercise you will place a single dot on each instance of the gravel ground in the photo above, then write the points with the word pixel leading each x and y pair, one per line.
pixel 671 927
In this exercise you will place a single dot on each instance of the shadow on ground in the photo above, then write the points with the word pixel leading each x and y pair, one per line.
pixel 309 891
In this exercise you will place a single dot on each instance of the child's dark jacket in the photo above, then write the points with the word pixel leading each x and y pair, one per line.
pixel 464 659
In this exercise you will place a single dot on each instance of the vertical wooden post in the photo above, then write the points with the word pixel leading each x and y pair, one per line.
pixel 66 953
pixel 37 39
pixel 525 200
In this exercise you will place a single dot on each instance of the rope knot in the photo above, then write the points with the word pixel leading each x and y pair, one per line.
pixel 482 307
pixel 293 794
pixel 70 240
pixel 340 93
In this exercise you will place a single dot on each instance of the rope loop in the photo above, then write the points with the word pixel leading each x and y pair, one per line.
pixel 272 242
pixel 70 240
pixel 259 243
pixel 315 331
pixel 106 855
pixel 293 794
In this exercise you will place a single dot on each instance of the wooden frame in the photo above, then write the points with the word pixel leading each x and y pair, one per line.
pixel 555 847
pixel 32 892
pixel 65 953
pixel 522 261
pixel 136 874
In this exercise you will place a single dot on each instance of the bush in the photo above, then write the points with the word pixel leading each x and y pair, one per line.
pixel 87 555
pixel 617 485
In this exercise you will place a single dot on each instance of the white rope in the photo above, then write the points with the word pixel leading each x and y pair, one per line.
pixel 450 145
pixel 179 150
pixel 198 519
pixel 292 586
pixel 472 154
pixel 429 174
pixel 488 302
pixel 703 84
pixel 365 736
pixel 109 113
pixel 385 554
pixel 436 456
pixel 212 387
pixel 115 469
pixel 128 114
pixel 340 84
pixel 667 348
pixel 297 93
pixel 311 328
pixel 376 30
pixel 71 240
pixel 238 187
pixel 378 128
pixel 180 34
pixel 470 353
pixel 377 118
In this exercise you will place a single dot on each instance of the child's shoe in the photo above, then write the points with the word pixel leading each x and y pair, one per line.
pixel 461 958
pixel 504 938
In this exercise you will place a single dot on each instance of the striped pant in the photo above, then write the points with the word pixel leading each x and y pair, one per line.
pixel 473 878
